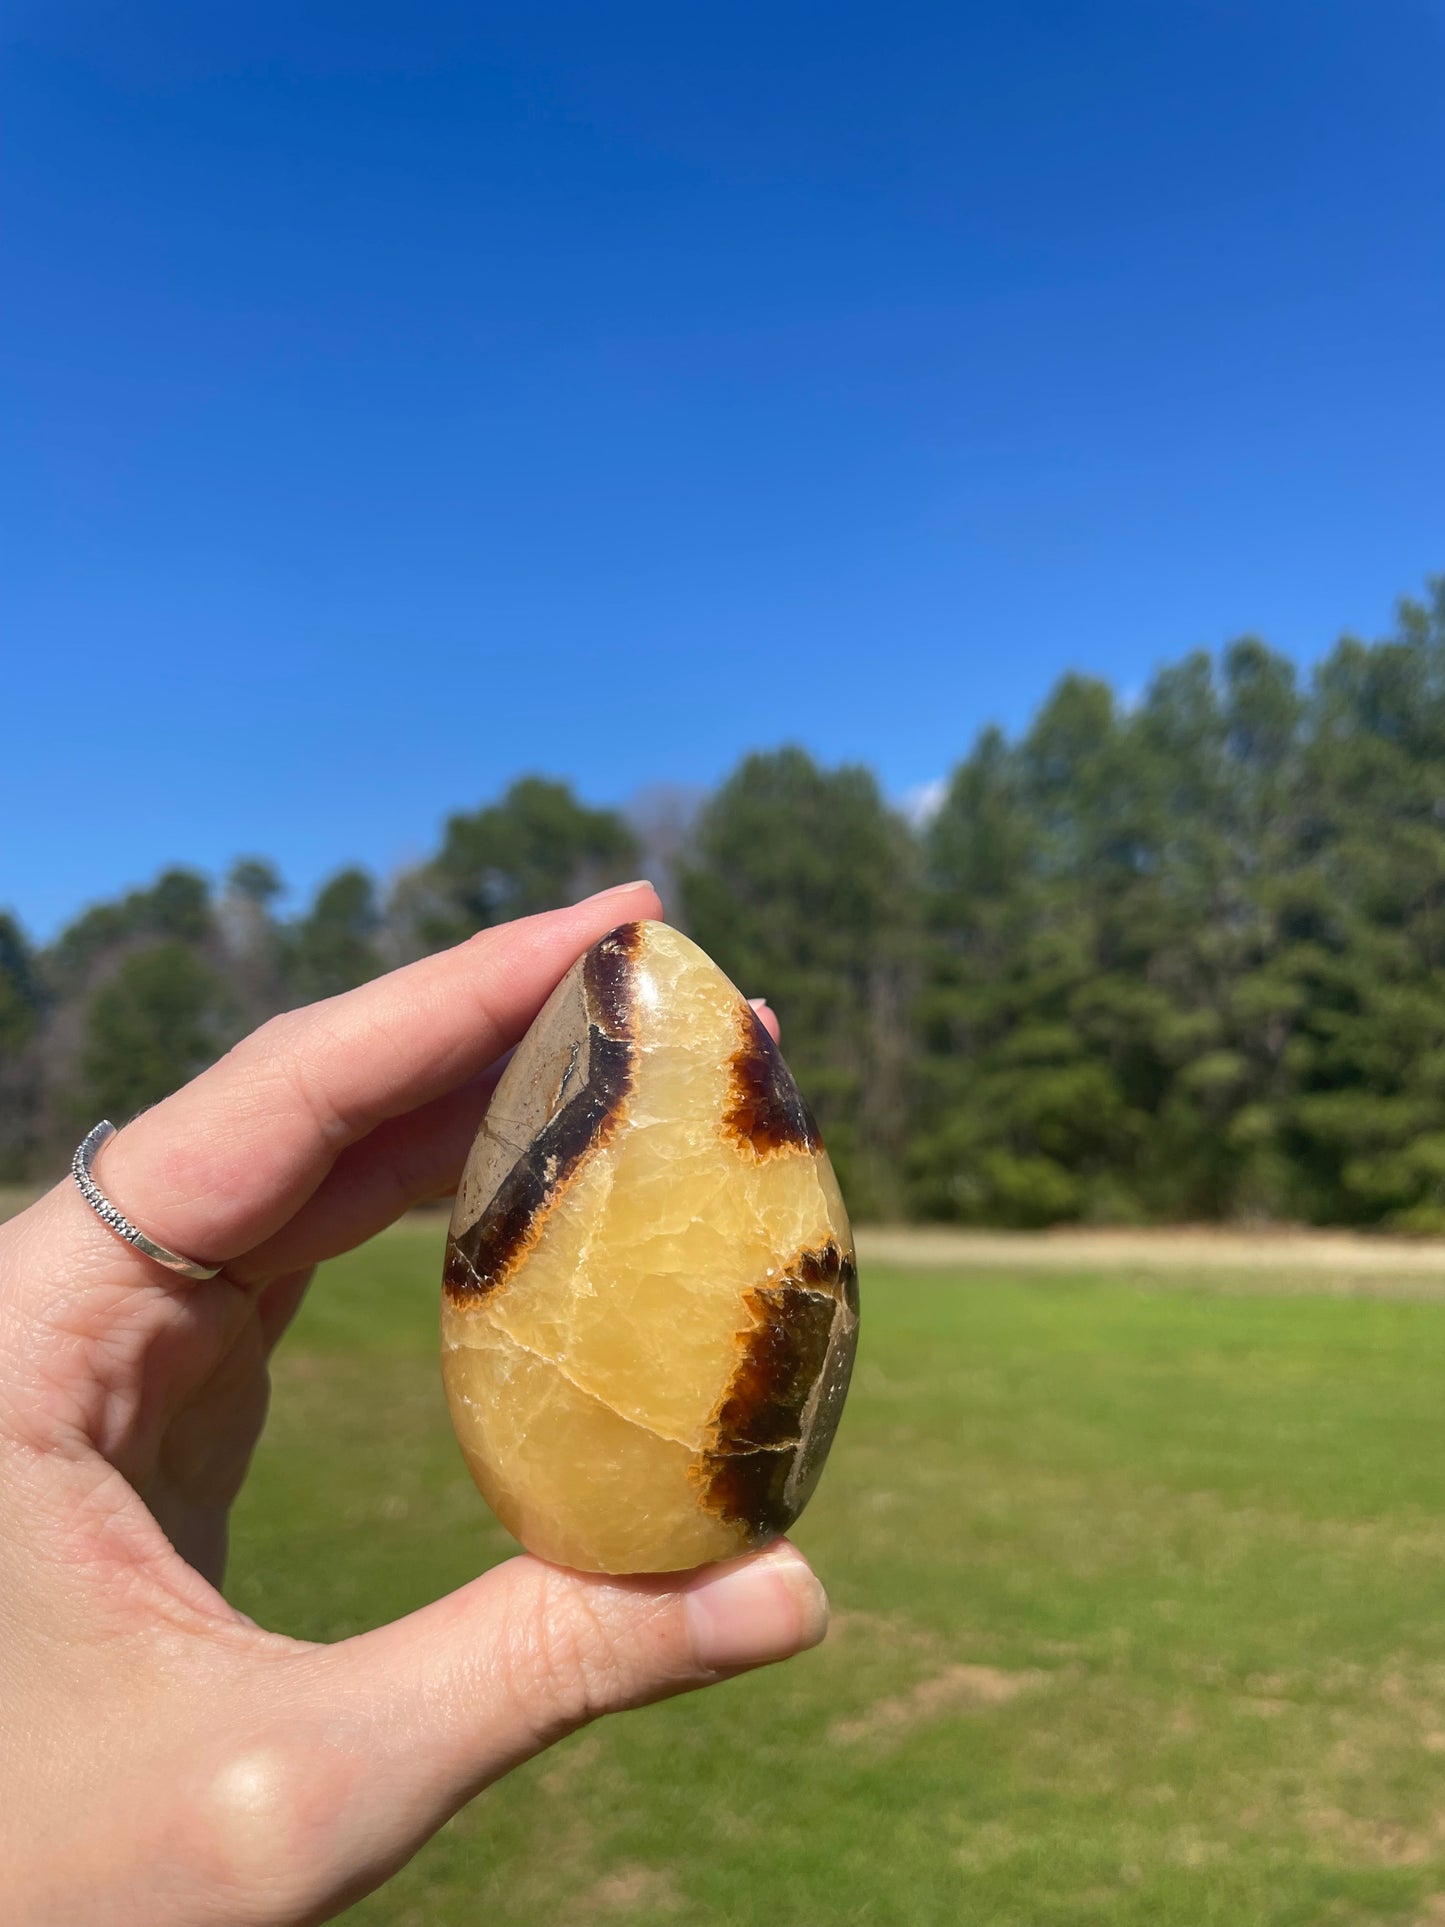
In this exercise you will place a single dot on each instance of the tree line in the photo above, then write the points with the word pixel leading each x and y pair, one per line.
pixel 1179 958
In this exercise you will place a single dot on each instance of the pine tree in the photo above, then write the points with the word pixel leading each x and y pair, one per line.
pixel 801 884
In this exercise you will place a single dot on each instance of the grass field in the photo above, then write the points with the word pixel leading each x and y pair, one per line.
pixel 1139 1591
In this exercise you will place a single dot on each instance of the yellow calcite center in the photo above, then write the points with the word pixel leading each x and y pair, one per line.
pixel 588 1384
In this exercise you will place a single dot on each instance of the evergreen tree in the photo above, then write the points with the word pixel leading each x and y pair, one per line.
pixel 801 884
pixel 177 905
pixel 333 947
pixel 1365 1118
pixel 21 1010
pixel 19 989
pixel 1092 911
pixel 536 849
pixel 162 1017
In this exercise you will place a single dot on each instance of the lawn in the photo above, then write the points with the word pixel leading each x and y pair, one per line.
pixel 1139 1594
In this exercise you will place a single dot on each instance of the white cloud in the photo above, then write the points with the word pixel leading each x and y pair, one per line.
pixel 923 802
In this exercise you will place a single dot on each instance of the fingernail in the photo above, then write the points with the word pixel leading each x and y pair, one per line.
pixel 747 1615
pixel 760 1003
pixel 619 890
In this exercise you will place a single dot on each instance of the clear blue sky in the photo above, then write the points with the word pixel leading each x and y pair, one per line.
pixel 397 398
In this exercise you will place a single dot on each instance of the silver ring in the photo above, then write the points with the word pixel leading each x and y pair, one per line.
pixel 116 1221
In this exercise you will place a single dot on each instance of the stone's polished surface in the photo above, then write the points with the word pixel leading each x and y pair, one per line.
pixel 651 1302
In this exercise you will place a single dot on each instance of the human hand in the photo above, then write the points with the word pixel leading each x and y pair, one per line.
pixel 163 1761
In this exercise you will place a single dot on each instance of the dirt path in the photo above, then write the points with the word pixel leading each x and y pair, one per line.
pixel 1338 1256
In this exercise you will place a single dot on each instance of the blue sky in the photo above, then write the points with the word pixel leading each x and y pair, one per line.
pixel 394 399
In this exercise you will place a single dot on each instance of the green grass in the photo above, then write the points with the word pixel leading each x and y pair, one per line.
pixel 1140 1619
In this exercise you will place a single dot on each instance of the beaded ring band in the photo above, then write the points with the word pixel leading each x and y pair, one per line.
pixel 115 1220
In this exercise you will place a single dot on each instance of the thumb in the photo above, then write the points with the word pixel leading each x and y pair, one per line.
pixel 394 1730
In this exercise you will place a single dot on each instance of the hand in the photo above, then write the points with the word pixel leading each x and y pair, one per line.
pixel 163 1761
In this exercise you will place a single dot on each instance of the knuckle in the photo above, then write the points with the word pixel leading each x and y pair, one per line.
pixel 268 1040
pixel 295 1058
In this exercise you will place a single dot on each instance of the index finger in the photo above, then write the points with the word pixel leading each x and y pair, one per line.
pixel 228 1159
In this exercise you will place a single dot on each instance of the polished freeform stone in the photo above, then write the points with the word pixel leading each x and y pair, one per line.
pixel 650 1303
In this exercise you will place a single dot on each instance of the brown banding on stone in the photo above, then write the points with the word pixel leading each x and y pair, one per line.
pixel 478 1261
pixel 765 1107
pixel 782 1404
pixel 749 1489
pixel 607 972
pixel 781 1358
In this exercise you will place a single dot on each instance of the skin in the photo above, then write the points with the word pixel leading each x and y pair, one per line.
pixel 163 1760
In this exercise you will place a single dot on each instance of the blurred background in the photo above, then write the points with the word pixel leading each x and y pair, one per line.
pixel 934 487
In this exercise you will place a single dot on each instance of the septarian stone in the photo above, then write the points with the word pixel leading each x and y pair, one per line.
pixel 651 1301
